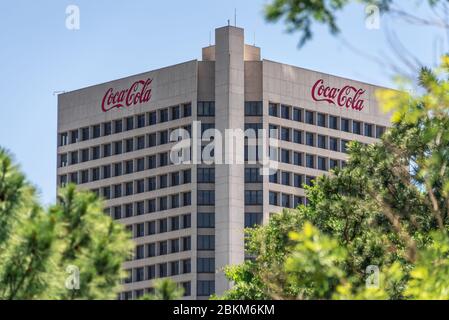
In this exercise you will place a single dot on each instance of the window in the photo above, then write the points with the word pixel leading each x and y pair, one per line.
pixel 151 250
pixel 163 204
pixel 205 288
pixel 175 113
pixel 140 230
pixel 297 136
pixel 140 121
pixel 356 127
pixel 322 163
pixel 273 110
pixel 74 157
pixel 163 115
pixel 95 153
pixel 129 167
pixel 206 175
pixel 333 122
pixel 186 221
pixel 174 245
pixel 84 176
pixel 273 131
pixel 163 159
pixel 174 268
pixel 117 147
pixel 84 134
pixel 117 169
pixel 118 126
pixel 140 208
pixel 187 288
pixel 298 180
pixel 379 131
pixel 187 198
pixel 206 265
pixel 252 175
pixel 151 160
pixel 151 205
pixel 321 120
pixel 310 139
pixel 63 139
pixel 187 110
pixel 84 155
pixel 285 112
pixel 309 180
pixel 129 123
pixel 128 210
pixel 285 200
pixel 274 177
pixel 297 158
pixel 107 150
pixel 163 181
pixel 206 242
pixel 206 108
pixel 63 160
pixel 206 126
pixel 95 174
pixel 310 117
pixel 163 137
pixel 310 161
pixel 253 197
pixel 96 131
pixel 163 248
pixel 322 141
pixel 152 118
pixel 273 198
pixel 174 179
pixel 129 145
pixel 253 108
pixel 333 164
pixel 140 143
pixel 106 170
pixel 74 177
pixel 186 266
pixel 74 136
pixel 151 228
pixel 206 220
pixel 139 274
pixel 344 146
pixel 297 114
pixel 163 225
pixel 151 272
pixel 174 199
pixel 151 182
pixel 253 219
pixel 140 164
pixel 368 130
pixel 117 191
pixel 333 144
pixel 345 125
pixel 206 197
pixel 140 186
pixel 117 212
pixel 186 244
pixel 128 189
pixel 186 176
pixel 285 178
pixel 163 270
pixel 285 156
pixel 285 134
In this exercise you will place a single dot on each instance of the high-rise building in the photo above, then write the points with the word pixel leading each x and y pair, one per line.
pixel 188 219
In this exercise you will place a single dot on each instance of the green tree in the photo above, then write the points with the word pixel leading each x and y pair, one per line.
pixel 37 245
pixel 165 289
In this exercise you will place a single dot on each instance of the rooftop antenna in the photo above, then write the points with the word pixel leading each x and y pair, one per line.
pixel 210 37
pixel 254 38
pixel 235 17
pixel 229 22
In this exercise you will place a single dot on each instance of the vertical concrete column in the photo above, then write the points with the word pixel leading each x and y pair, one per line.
pixel 229 178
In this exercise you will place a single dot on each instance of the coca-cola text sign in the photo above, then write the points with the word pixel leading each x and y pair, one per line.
pixel 347 96
pixel 139 92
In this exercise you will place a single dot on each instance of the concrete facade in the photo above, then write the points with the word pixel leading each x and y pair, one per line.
pixel 187 220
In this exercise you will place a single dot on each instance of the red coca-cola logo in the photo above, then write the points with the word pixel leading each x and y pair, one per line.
pixel 138 92
pixel 348 96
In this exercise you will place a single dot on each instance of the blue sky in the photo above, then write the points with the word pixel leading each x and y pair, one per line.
pixel 117 38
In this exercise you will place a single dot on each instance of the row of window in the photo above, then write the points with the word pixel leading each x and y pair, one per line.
pixel 128 295
pixel 153 227
pixel 125 124
pixel 116 147
pixel 325 120
pixel 124 168
pixel 309 160
pixel 162 248
pixel 150 206
pixel 160 270
pixel 285 200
